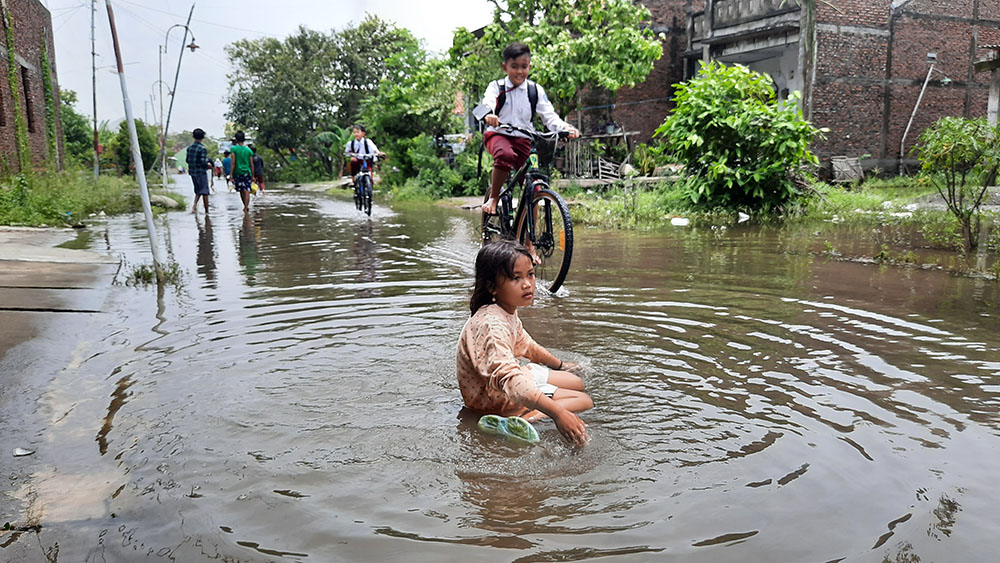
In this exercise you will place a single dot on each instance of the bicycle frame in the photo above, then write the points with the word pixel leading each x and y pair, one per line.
pixel 366 170
pixel 528 176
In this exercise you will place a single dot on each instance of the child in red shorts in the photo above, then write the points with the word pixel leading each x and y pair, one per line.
pixel 511 148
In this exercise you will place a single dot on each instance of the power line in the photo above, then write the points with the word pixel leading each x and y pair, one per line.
pixel 254 31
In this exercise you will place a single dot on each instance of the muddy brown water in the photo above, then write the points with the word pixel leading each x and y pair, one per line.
pixel 295 400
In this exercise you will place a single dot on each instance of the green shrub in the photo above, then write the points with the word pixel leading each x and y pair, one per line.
pixel 964 156
pixel 418 169
pixel 644 160
pixel 54 198
pixel 739 143
pixel 299 171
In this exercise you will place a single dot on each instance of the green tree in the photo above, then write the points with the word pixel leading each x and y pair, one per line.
pixel 289 91
pixel 409 113
pixel 329 147
pixel 367 54
pixel 740 146
pixel 121 146
pixel 283 90
pixel 422 102
pixel 78 137
pixel 574 44
pixel 961 156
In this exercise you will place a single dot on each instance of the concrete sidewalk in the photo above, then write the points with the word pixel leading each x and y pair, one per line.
pixel 37 280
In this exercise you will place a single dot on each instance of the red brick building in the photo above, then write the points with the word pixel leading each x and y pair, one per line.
pixel 32 24
pixel 860 64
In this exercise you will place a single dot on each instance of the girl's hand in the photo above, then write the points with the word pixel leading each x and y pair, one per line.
pixel 573 132
pixel 492 120
pixel 571 367
pixel 572 428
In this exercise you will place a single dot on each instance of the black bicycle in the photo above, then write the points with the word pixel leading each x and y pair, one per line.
pixel 363 184
pixel 541 219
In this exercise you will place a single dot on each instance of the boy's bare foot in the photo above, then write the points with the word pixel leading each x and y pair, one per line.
pixel 534 255
pixel 490 207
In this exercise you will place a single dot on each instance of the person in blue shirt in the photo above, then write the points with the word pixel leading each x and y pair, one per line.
pixel 200 168
pixel 227 165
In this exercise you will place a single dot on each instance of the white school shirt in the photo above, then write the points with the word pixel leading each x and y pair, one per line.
pixel 364 146
pixel 516 108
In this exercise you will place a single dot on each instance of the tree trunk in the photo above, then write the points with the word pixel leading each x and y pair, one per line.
pixel 284 161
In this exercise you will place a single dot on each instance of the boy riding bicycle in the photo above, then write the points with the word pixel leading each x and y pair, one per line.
pixel 360 148
pixel 515 100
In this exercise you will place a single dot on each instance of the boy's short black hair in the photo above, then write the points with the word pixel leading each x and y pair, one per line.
pixel 252 147
pixel 198 134
pixel 360 127
pixel 240 137
pixel 226 153
pixel 515 50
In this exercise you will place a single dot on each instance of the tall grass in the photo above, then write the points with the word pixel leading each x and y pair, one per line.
pixel 55 198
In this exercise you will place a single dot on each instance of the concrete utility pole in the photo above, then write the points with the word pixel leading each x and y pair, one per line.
pixel 140 172
pixel 93 80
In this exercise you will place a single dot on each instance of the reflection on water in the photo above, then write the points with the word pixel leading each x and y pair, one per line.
pixel 249 239
pixel 754 402
pixel 206 253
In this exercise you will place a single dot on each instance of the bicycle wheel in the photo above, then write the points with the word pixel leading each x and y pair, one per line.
pixel 367 194
pixel 357 193
pixel 553 237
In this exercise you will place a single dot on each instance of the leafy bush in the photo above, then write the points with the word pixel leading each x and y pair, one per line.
pixel 77 135
pixel 644 159
pixel 298 171
pixel 418 170
pixel 964 155
pixel 121 146
pixel 740 144
pixel 63 197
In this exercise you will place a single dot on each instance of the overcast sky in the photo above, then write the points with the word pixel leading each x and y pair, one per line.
pixel 202 87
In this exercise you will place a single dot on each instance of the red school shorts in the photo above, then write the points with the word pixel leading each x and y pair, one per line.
pixel 509 153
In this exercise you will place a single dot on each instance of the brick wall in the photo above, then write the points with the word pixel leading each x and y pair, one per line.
pixel 32 25
pixel 644 107
pixel 869 73
pixel 855 12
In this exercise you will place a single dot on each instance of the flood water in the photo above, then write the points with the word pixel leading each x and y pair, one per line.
pixel 294 399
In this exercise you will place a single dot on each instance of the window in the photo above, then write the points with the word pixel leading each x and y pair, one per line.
pixel 28 105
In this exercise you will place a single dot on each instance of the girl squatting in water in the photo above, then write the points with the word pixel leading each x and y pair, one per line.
pixel 490 377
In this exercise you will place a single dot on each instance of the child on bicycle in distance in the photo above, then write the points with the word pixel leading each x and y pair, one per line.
pixel 360 147
pixel 511 148
pixel 490 377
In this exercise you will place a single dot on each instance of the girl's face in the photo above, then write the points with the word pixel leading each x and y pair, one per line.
pixel 518 291
pixel 358 133
pixel 517 69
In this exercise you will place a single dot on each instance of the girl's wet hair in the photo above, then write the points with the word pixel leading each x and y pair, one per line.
pixel 494 260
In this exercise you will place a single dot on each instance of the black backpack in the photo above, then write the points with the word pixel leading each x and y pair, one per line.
pixel 532 97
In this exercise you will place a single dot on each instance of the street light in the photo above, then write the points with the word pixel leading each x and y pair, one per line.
pixel 166 124
pixel 932 59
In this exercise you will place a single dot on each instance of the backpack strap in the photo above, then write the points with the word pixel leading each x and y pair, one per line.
pixel 532 97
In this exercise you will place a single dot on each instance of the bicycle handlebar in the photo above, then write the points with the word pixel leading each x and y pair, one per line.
pixel 532 132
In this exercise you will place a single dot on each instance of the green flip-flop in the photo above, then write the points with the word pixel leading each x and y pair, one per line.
pixel 513 427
